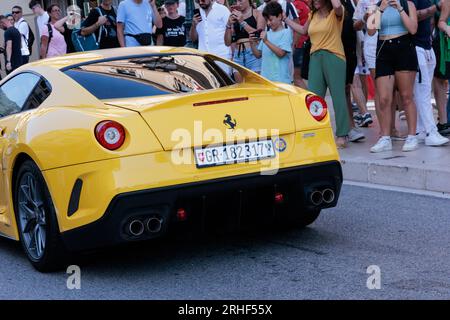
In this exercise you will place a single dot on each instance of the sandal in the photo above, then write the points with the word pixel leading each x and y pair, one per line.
pixel 341 142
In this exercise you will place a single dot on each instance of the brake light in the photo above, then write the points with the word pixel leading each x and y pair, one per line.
pixel 110 134
pixel 317 107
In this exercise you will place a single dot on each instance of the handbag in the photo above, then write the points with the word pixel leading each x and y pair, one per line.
pixel 144 39
pixel 306 58
pixel 86 43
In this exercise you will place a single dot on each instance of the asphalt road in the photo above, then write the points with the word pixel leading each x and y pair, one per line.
pixel 406 235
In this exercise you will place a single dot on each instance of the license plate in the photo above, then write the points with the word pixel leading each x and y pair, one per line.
pixel 234 153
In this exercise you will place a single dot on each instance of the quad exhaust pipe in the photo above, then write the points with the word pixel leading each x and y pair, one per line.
pixel 154 224
pixel 136 227
pixel 318 197
pixel 328 195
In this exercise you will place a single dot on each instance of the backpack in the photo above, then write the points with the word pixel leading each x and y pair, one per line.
pixel 31 38
pixel 86 43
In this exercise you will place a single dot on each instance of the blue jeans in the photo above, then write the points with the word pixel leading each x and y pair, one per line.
pixel 247 59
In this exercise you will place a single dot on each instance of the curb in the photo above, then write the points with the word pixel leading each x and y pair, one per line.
pixel 406 176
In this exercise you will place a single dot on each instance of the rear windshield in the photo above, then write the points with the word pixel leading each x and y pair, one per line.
pixel 150 76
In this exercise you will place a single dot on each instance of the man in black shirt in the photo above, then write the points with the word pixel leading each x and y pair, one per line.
pixel 102 19
pixel 13 45
pixel 172 32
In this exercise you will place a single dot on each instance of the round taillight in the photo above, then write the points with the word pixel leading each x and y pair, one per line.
pixel 110 134
pixel 317 107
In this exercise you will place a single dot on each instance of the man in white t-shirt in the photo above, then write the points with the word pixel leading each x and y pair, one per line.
pixel 42 17
pixel 24 29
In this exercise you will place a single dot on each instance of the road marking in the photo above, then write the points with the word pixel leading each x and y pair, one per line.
pixel 428 193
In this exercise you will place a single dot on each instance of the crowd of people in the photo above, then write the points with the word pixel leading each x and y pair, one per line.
pixel 332 46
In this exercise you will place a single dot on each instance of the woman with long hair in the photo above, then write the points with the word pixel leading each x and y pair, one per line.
pixel 327 67
pixel 52 40
pixel 396 66
pixel 244 20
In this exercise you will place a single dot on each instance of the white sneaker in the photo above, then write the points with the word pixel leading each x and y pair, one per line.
pixel 421 137
pixel 411 144
pixel 435 139
pixel 383 144
pixel 355 135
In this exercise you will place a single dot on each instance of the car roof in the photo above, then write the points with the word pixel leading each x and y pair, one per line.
pixel 84 57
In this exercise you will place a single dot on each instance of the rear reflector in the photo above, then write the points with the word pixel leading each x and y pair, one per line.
pixel 181 214
pixel 279 197
pixel 206 103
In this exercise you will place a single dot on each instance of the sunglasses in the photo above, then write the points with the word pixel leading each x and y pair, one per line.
pixel 16 12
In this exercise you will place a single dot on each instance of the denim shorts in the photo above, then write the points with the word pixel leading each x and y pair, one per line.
pixel 298 57
pixel 247 59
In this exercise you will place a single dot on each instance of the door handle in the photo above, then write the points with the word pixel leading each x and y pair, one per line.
pixel 2 130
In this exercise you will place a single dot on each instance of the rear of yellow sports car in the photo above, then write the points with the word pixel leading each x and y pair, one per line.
pixel 233 155
pixel 162 142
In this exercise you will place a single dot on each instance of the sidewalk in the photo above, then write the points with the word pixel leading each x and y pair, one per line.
pixel 427 168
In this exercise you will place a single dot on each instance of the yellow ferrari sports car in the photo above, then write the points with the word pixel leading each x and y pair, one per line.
pixel 113 146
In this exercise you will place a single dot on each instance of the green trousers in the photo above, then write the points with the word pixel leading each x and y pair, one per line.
pixel 327 70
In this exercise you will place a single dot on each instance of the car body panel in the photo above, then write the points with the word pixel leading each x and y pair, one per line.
pixel 102 180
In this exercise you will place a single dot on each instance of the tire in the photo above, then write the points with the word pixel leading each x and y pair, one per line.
pixel 36 219
pixel 306 218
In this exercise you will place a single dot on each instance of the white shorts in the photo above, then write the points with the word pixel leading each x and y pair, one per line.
pixel 370 51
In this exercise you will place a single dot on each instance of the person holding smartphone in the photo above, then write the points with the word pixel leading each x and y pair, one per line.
pixel 275 48
pixel 396 66
pixel 208 28
pixel 243 21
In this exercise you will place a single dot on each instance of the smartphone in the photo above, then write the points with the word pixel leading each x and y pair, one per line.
pixel 196 11
pixel 257 34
